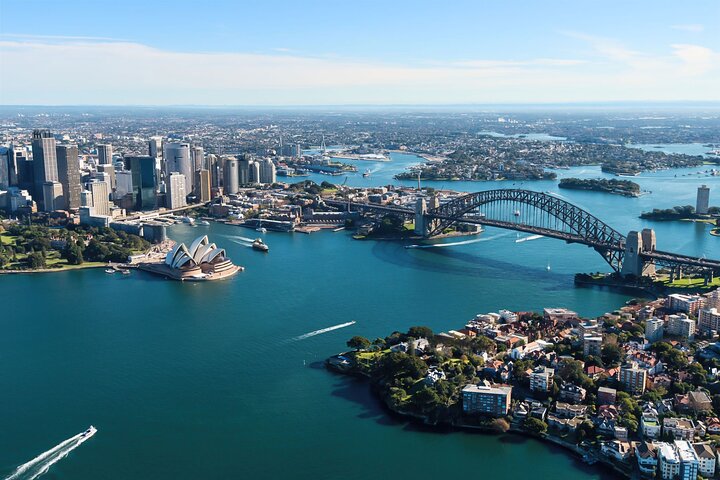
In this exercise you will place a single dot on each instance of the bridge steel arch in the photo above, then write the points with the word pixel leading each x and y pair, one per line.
pixel 581 226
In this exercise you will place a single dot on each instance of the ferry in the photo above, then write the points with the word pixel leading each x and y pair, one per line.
pixel 89 432
pixel 259 245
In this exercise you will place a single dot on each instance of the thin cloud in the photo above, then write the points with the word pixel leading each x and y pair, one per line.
pixel 114 72
pixel 689 27
pixel 27 36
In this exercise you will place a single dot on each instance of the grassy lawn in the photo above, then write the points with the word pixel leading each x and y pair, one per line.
pixel 690 282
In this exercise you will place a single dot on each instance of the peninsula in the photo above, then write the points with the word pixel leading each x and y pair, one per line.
pixel 614 389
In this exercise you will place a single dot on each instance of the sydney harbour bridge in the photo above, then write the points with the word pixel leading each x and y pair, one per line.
pixel 543 214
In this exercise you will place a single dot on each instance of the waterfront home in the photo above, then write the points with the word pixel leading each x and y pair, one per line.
pixel 605 427
pixel 564 424
pixel 679 428
pixel 646 454
pixel 707 459
pixel 617 449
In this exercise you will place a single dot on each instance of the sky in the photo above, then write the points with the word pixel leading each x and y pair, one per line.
pixel 342 52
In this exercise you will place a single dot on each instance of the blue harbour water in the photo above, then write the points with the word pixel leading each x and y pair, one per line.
pixel 210 381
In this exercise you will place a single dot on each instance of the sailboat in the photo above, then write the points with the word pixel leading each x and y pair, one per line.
pixel 547 267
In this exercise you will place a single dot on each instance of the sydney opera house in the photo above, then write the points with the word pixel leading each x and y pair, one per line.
pixel 201 261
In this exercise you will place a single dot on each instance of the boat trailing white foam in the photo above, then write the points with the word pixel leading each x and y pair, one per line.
pixel 42 463
pixel 464 242
pixel 531 237
pixel 324 330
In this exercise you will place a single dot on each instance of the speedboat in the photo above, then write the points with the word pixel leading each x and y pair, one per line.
pixel 260 245
pixel 89 432
pixel 204 222
pixel 109 271
pixel 261 229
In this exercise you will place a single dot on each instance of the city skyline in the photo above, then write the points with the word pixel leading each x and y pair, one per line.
pixel 319 53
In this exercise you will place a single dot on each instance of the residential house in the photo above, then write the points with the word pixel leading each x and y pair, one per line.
pixel 668 461
pixel 650 425
pixel 617 449
pixel 606 396
pixel 689 462
pixel 571 393
pixel 646 454
pixel 541 379
pixel 679 428
pixel 566 410
pixel 706 458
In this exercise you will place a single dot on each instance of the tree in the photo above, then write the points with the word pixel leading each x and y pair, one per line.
pixel 611 354
pixel 36 260
pixel 426 399
pixel 420 332
pixel 73 253
pixel 358 343
pixel 534 425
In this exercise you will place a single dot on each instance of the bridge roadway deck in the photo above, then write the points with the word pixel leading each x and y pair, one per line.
pixel 660 257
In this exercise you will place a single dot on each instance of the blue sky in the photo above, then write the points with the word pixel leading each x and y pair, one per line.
pixel 359 52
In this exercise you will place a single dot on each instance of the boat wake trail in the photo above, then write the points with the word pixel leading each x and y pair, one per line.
pixel 465 242
pixel 42 463
pixel 323 330
pixel 531 237
pixel 244 243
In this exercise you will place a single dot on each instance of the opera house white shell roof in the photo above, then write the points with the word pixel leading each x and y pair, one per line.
pixel 201 251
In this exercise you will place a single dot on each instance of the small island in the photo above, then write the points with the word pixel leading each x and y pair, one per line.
pixel 613 186
pixel 683 212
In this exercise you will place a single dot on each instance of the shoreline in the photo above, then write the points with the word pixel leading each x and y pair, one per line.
pixel 52 270
pixel 460 426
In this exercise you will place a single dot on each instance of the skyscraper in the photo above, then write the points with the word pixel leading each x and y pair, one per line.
pixel 230 176
pixel 212 162
pixel 177 159
pixel 267 171
pixel 69 174
pixel 177 195
pixel 109 169
pixel 202 185
pixel 16 155
pixel 143 182
pixel 703 200
pixel 155 147
pixel 244 170
pixel 101 197
pixel 53 198
pixel 104 152
pixel 4 168
pixel 198 158
pixel 44 163
pixel 254 176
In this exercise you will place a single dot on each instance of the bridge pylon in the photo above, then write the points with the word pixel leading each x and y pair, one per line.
pixel 637 243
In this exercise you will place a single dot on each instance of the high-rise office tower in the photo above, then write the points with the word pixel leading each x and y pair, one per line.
pixel 230 176
pixel 16 154
pixel 177 196
pixel 177 159
pixel 703 200
pixel 212 163
pixel 4 168
pixel 143 182
pixel 244 170
pixel 198 158
pixel 53 198
pixel 69 174
pixel 109 169
pixel 104 153
pixel 254 176
pixel 44 163
pixel 155 147
pixel 267 171
pixel 101 197
pixel 202 185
